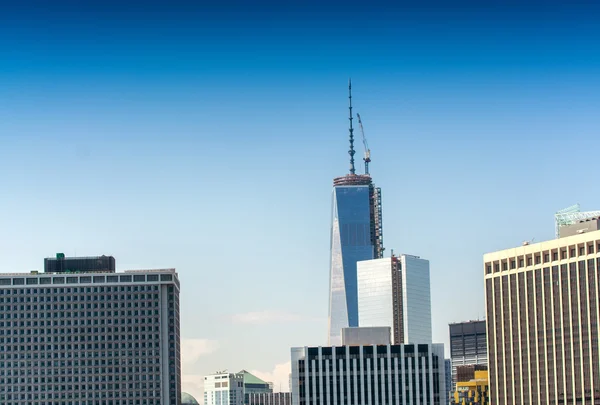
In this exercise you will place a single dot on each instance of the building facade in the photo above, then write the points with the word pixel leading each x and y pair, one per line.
pixel 356 234
pixel 273 398
pixel 224 388
pixel 542 303
pixel 472 392
pixel 368 375
pixel 395 291
pixel 468 345
pixel 90 338
pixel 448 379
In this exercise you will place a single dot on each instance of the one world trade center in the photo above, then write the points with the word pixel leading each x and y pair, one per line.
pixel 356 235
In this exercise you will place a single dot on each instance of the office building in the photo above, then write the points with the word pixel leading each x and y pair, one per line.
pixel 90 338
pixel 254 385
pixel 448 378
pixel 223 388
pixel 474 391
pixel 368 374
pixel 270 398
pixel 542 303
pixel 395 291
pixel 468 345
pixel 356 234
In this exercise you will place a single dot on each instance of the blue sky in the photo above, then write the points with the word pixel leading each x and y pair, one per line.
pixel 205 138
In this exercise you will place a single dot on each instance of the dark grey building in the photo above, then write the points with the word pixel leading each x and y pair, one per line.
pixel 468 345
pixel 90 338
pixel 62 264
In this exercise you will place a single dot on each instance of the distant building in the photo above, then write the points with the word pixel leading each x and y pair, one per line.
pixel 448 379
pixel 70 337
pixel 224 388
pixel 62 264
pixel 366 336
pixel 187 399
pixel 468 345
pixel 236 388
pixel 542 303
pixel 395 292
pixel 271 398
pixel 254 385
pixel 370 374
pixel 474 391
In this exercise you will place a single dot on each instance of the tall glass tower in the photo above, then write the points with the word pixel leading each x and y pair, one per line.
pixel 356 235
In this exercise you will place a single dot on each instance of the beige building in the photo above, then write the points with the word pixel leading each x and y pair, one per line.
pixel 542 303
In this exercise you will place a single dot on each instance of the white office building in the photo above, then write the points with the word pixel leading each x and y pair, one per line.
pixel 395 292
pixel 224 388
pixel 369 375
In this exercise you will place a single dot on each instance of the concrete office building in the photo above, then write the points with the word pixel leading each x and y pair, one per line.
pixel 542 303
pixel 369 374
pixel 90 338
pixel 223 388
pixel 468 345
pixel 395 292
pixel 270 398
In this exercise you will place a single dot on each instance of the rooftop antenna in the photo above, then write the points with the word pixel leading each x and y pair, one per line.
pixel 351 151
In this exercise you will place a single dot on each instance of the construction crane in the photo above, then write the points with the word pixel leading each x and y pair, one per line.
pixel 367 157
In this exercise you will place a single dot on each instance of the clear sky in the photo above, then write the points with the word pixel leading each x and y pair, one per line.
pixel 206 137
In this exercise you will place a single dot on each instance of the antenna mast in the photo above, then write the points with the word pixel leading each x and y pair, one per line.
pixel 351 151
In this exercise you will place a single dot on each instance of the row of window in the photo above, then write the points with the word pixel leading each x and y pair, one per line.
pixel 124 278
pixel 23 353
pixel 537 258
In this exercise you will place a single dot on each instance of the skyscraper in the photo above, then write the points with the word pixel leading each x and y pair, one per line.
pixel 90 337
pixel 543 318
pixel 394 291
pixel 356 234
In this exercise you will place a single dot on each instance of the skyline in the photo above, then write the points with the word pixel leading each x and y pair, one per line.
pixel 209 145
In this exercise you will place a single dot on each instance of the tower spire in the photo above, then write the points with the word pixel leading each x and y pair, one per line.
pixel 351 151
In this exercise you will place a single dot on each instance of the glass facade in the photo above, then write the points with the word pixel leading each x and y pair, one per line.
pixel 352 221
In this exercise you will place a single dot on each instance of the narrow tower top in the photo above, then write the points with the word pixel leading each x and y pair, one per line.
pixel 351 151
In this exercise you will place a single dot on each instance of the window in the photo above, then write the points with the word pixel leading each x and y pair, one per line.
pixel 554 256
pixel 513 264
pixel 572 252
pixel 529 261
pixel 45 280
pixel 546 257
pixel 58 280
pixel 139 278
pixel 154 277
pixel 563 254
pixel 590 249
pixel 504 266
pixel 166 277
pixel 537 259
pixel 581 251
pixel 125 279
